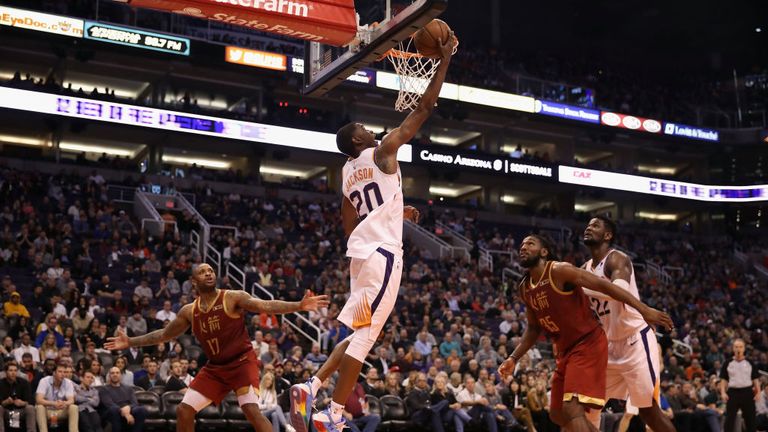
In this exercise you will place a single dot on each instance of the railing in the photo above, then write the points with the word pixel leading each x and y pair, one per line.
pixel 204 225
pixel 510 275
pixel 121 194
pixel 678 345
pixel 485 260
pixel 259 291
pixel 455 234
pixel 673 271
pixel 212 257
pixel 236 275
pixel 227 228
pixel 194 239
pixel 434 244
pixel 163 222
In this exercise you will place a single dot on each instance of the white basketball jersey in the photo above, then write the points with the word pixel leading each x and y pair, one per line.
pixel 619 320
pixel 378 199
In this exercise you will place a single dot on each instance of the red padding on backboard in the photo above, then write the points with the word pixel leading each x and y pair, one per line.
pixel 331 22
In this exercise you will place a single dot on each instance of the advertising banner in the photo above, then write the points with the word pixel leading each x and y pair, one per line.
pixel 41 22
pixel 630 122
pixel 676 129
pixel 331 22
pixel 136 38
pixel 440 156
pixel 259 59
pixel 569 112
pixel 655 186
pixel 132 115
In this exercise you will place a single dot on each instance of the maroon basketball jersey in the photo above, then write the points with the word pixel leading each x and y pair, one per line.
pixel 565 316
pixel 221 332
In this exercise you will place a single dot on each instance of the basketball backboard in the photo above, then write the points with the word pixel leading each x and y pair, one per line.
pixel 327 66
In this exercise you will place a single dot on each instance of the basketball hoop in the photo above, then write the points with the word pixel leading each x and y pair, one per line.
pixel 414 71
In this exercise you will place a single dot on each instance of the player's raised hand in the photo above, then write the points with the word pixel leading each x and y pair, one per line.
pixel 411 213
pixel 119 342
pixel 312 302
pixel 447 46
pixel 507 368
pixel 656 317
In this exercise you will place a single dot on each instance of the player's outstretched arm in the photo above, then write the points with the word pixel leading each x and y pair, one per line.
pixel 174 329
pixel 310 302
pixel 386 153
pixel 564 273
pixel 530 336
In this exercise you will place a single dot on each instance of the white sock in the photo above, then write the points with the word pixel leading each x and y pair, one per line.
pixel 314 384
pixel 336 411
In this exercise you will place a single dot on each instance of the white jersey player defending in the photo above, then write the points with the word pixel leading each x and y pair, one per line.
pixel 372 213
pixel 633 354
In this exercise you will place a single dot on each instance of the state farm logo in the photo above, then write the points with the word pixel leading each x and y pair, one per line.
pixel 195 12
pixel 652 126
pixel 288 7
pixel 611 119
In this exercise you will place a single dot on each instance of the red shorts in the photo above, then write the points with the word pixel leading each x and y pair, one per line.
pixel 215 381
pixel 581 372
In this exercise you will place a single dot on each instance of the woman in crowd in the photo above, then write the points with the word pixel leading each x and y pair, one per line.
pixel 450 410
pixel 269 406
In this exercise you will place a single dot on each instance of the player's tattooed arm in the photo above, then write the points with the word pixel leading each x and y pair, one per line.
pixel 174 329
pixel 310 302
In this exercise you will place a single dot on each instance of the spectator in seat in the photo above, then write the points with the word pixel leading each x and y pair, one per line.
pixel 373 384
pixel 419 405
pixel 55 400
pixel 15 397
pixel 449 345
pixel 50 326
pixel 143 290
pixel 14 308
pixel 694 370
pixel 175 383
pixel 119 405
pixel 152 378
pixel 138 325
pixel 87 399
pixel 29 370
pixel 166 314
pixel 444 401
pixel 515 399
pixel 504 418
pixel 122 363
pixel 49 350
pixel 268 404
pixel 761 407
pixel 357 413
pixel 26 348
pixel 476 406
pixel 314 359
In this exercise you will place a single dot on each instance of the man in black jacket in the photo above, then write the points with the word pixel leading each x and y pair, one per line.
pixel 418 403
pixel 15 395
pixel 119 405
pixel 151 379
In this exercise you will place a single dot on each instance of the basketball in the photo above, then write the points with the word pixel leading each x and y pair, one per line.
pixel 428 39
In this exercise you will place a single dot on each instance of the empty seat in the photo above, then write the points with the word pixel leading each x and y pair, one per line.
pixel 233 414
pixel 153 404
pixel 374 404
pixel 171 401
pixel 394 413
pixel 211 418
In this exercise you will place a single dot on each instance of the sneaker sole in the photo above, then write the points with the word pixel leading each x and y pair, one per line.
pixel 298 421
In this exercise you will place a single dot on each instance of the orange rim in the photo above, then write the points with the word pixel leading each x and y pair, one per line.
pixel 394 52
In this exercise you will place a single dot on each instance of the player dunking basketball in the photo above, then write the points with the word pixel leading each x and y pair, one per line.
pixel 633 355
pixel 556 304
pixel 217 320
pixel 372 214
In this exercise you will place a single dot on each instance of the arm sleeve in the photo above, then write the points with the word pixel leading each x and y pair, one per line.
pixel 724 371
pixel 755 373
pixel 81 398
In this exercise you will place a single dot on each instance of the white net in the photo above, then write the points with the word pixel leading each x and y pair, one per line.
pixel 415 73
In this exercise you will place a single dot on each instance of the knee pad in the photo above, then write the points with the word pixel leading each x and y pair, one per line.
pixel 360 344
pixel 250 397
pixel 195 400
